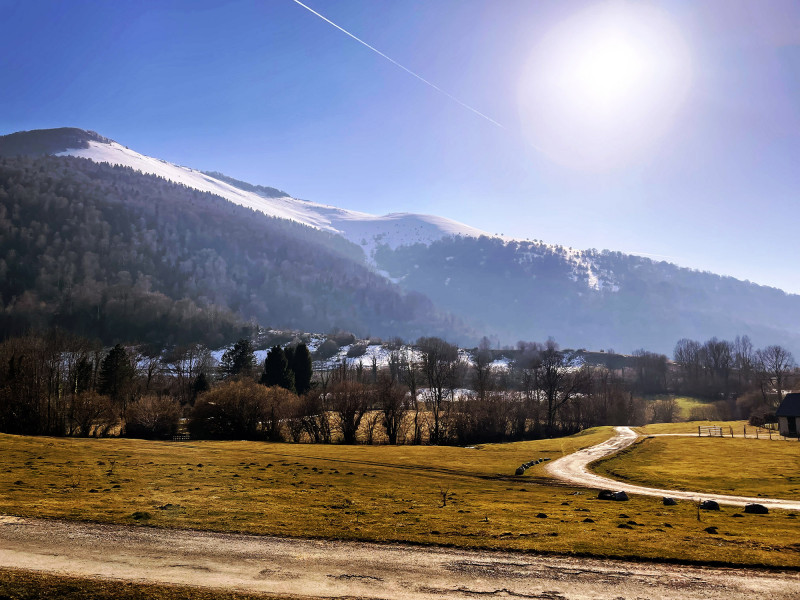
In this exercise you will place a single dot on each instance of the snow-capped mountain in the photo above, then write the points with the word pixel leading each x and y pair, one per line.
pixel 363 229
pixel 435 269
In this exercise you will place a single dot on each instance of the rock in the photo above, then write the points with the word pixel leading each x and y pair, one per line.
pixel 712 530
pixel 609 495
pixel 624 526
pixel 519 471
pixel 669 501
pixel 709 505
pixel 756 509
pixel 541 516
pixel 588 520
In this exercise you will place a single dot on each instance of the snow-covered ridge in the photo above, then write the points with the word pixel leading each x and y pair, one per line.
pixel 363 229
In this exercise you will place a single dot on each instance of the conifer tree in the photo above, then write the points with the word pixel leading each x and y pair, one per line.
pixel 302 367
pixel 238 360
pixel 116 375
pixel 276 370
pixel 199 386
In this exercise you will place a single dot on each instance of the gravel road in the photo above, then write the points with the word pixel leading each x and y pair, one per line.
pixel 317 569
pixel 573 469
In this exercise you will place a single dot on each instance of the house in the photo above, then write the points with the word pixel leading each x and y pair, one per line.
pixel 788 414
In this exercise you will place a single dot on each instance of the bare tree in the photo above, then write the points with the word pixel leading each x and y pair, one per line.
pixel 410 377
pixel 743 359
pixel 775 365
pixel 392 401
pixel 482 368
pixel 559 378
pixel 349 401
pixel 438 359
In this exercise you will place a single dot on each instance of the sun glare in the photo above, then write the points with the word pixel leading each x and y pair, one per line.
pixel 604 85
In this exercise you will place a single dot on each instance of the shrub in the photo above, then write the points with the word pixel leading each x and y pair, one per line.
pixel 327 349
pixel 240 409
pixel 357 350
pixel 153 417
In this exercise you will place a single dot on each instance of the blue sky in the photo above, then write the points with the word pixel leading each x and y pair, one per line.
pixel 269 93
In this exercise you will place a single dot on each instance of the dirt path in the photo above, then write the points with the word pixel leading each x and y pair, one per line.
pixel 573 469
pixel 327 569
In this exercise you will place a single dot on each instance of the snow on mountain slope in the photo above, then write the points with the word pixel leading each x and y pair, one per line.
pixel 363 229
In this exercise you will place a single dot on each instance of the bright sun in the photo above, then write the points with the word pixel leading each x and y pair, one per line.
pixel 603 85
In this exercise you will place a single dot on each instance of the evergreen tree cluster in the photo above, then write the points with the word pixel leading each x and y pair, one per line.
pixel 290 369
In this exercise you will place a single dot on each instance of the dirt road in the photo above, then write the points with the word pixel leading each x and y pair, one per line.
pixel 573 469
pixel 348 569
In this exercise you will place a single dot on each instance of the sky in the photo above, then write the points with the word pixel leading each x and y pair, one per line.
pixel 669 129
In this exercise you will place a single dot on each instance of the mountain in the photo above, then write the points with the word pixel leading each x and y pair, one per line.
pixel 110 252
pixel 532 290
pixel 363 229
pixel 455 276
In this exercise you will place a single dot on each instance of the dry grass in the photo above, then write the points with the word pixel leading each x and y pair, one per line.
pixel 373 493
pixel 744 467
pixel 690 427
pixel 29 585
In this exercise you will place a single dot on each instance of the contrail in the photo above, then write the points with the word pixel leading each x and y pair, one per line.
pixel 397 64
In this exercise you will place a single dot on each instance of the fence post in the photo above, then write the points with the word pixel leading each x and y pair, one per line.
pixel 731 428
pixel 698 431
pixel 745 432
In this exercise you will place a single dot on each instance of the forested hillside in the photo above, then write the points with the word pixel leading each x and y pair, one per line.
pixel 105 251
pixel 532 290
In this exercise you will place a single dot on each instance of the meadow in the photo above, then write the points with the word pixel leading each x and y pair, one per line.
pixel 738 466
pixel 466 497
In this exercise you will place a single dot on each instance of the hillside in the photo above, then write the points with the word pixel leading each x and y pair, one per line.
pixel 408 268
pixel 363 229
pixel 106 251
pixel 531 290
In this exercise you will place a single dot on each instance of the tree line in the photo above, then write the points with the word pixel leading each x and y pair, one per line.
pixel 430 392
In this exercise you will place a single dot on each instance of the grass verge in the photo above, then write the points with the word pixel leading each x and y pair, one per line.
pixel 465 497
pixel 31 585
pixel 690 427
pixel 737 466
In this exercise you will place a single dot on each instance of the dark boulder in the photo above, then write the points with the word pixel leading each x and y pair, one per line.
pixel 669 501
pixel 610 495
pixel 756 509
pixel 709 505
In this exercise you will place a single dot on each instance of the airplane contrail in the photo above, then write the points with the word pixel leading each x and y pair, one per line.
pixel 397 64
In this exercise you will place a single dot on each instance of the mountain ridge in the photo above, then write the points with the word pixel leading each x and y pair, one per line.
pixel 509 289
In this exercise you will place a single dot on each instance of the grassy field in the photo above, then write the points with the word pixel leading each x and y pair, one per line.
pixel 691 427
pixel 466 497
pixel 28 585
pixel 737 466
pixel 686 404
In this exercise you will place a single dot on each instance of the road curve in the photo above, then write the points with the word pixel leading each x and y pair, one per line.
pixel 329 569
pixel 573 469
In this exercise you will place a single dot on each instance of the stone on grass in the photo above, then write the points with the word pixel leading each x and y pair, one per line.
pixel 611 495
pixel 709 505
pixel 669 501
pixel 756 509
pixel 520 471
pixel 712 530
